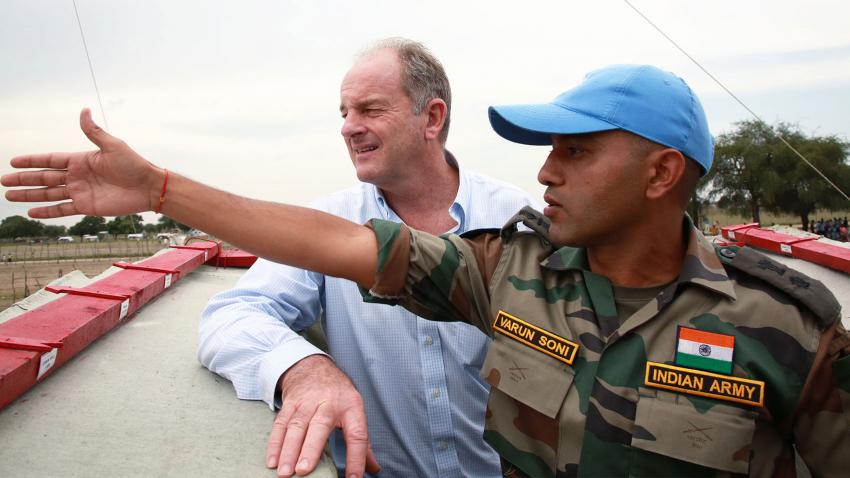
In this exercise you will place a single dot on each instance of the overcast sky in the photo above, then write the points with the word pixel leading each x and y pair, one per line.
pixel 244 95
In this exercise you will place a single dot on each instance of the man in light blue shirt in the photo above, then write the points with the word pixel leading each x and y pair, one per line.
pixel 416 381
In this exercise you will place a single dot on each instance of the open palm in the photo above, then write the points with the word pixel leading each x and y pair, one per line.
pixel 111 181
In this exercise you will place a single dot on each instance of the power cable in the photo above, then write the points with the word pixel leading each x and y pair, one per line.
pixel 91 68
pixel 757 117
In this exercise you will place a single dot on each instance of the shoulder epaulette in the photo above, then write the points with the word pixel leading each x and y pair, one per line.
pixel 807 291
pixel 532 219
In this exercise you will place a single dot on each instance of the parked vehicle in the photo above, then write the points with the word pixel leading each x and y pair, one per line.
pixel 90 238
pixel 66 239
pixel 135 236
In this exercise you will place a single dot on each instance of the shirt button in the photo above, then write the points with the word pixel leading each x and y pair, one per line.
pixel 436 393
pixel 429 340
pixel 442 446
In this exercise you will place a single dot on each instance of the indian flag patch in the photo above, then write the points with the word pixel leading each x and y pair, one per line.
pixel 705 350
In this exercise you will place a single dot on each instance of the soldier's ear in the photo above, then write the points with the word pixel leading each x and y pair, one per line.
pixel 667 169
pixel 435 111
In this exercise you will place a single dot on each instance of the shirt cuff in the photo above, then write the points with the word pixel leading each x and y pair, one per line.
pixel 278 361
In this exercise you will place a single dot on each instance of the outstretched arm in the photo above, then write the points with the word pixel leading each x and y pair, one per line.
pixel 114 180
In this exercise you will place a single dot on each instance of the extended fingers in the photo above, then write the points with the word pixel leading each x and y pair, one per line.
pixel 56 210
pixel 275 442
pixel 38 194
pixel 47 177
pixel 321 426
pixel 47 160
pixel 372 465
pixel 356 435
pixel 296 430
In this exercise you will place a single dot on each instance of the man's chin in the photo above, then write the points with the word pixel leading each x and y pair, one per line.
pixel 566 237
pixel 366 175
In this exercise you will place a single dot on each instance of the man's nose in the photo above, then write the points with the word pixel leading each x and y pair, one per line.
pixel 352 125
pixel 548 174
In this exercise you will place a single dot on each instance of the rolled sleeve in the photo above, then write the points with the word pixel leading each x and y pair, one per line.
pixel 437 278
pixel 393 261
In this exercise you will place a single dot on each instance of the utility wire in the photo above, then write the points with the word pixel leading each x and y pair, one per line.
pixel 91 68
pixel 757 117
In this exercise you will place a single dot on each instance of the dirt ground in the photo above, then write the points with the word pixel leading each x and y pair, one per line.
pixel 34 265
pixel 20 279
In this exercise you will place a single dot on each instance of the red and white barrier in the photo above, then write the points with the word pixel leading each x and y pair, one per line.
pixel 810 249
pixel 38 342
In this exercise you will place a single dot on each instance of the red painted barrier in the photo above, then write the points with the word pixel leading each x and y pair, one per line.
pixel 825 254
pixel 809 249
pixel 770 240
pixel 233 258
pixel 34 344
pixel 732 232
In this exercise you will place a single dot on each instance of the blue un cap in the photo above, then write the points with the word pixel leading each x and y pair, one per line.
pixel 640 99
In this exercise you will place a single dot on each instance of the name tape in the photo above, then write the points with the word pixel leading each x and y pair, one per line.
pixel 706 384
pixel 535 337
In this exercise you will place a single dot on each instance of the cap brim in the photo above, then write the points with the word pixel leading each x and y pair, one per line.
pixel 535 124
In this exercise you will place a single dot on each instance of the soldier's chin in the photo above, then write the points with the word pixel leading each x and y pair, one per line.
pixel 565 237
pixel 561 237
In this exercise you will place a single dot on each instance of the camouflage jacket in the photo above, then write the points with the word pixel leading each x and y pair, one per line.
pixel 576 393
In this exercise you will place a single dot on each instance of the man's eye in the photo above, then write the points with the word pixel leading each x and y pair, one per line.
pixel 573 150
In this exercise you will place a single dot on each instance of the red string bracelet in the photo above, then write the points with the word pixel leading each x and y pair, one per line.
pixel 162 193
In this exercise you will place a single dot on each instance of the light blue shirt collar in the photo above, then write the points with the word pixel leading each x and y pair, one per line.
pixel 457 210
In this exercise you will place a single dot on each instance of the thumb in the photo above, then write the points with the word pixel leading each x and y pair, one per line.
pixel 93 132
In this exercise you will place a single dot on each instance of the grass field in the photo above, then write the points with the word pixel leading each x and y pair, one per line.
pixel 767 218
pixel 79 250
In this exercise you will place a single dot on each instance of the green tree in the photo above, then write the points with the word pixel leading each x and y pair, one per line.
pixel 740 175
pixel 19 226
pixel 150 228
pixel 754 170
pixel 125 224
pixel 88 225
pixel 165 223
pixel 800 190
pixel 54 231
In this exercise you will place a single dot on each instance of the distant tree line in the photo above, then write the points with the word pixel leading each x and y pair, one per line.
pixel 754 171
pixel 19 226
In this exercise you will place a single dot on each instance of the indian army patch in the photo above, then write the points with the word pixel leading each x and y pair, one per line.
pixel 535 337
pixel 705 350
pixel 705 384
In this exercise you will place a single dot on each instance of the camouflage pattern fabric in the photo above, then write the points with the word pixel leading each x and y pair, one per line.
pixel 595 415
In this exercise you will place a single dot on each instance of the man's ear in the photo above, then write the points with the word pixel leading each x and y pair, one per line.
pixel 667 171
pixel 435 112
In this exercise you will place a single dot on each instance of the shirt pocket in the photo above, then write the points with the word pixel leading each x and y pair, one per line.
pixel 719 437
pixel 527 375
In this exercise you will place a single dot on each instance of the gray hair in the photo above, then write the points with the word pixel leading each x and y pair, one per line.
pixel 423 77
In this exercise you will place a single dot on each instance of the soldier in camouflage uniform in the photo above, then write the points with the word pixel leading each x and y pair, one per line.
pixel 588 375
pixel 624 344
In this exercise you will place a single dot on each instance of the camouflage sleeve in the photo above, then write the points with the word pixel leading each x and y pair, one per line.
pixel 442 278
pixel 822 421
